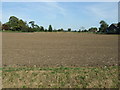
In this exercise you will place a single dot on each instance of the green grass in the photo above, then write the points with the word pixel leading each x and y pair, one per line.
pixel 43 31
pixel 15 31
pixel 63 77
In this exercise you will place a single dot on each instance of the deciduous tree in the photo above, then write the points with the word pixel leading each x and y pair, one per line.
pixel 103 26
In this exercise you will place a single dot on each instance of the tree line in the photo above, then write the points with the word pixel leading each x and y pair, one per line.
pixel 16 24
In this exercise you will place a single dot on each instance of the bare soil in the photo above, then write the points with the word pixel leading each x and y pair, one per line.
pixel 53 49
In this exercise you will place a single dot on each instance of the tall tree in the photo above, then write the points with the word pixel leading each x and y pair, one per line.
pixel 22 25
pixel 36 28
pixel 103 26
pixel 32 23
pixel 69 29
pixel 13 20
pixel 62 29
pixel 13 23
pixel 79 30
pixel 41 28
pixel 50 28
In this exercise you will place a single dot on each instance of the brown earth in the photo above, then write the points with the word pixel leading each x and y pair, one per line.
pixel 59 49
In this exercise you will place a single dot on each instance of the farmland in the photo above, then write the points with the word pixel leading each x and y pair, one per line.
pixel 52 49
pixel 74 55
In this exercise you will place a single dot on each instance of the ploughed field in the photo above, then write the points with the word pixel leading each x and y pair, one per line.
pixel 59 60
pixel 54 49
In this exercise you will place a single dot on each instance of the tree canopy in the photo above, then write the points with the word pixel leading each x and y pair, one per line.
pixel 16 24
pixel 50 28
pixel 103 26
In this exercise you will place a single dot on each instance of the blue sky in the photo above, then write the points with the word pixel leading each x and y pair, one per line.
pixel 62 14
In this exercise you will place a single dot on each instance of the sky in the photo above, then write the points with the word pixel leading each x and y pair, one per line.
pixel 119 11
pixel 74 15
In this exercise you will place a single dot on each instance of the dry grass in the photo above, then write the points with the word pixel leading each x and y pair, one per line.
pixel 63 77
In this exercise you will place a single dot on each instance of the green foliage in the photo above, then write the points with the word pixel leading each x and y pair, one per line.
pixel 13 21
pixel 79 30
pixel 60 30
pixel 18 25
pixel 24 87
pixel 103 26
pixel 15 24
pixel 22 25
pixel 55 30
pixel 45 30
pixel 50 28
pixel 84 30
pixel 92 29
pixel 69 29
pixel 32 23
pixel 42 28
